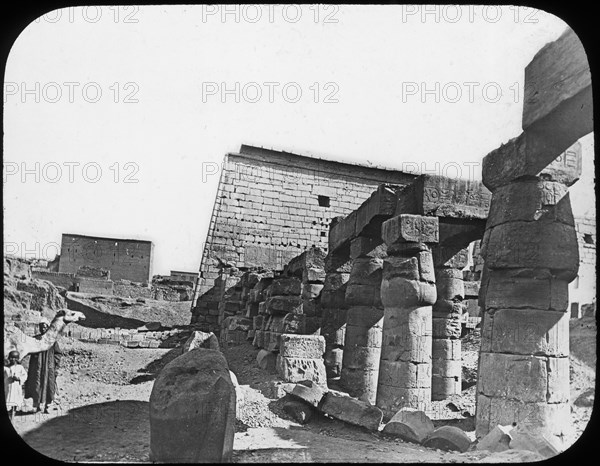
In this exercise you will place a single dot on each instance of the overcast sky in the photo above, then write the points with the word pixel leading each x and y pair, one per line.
pixel 117 118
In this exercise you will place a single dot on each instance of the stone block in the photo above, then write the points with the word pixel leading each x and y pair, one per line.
pixel 401 293
pixel 283 305
pixel 299 369
pixel 366 271
pixel 471 289
pixel 536 440
pixel 447 309
pixel 446 348
pixel 362 295
pixel 404 374
pixel 311 290
pixel 533 378
pixel 391 399
pixel 192 410
pixel 491 411
pixel 302 346
pixel 530 200
pixel 410 228
pixel 342 231
pixel 291 286
pixel 517 159
pixel 539 244
pixel 309 392
pixel 359 357
pixel 379 206
pixel 411 425
pixel 448 438
pixel 362 246
pixel 353 411
pixel 526 332
pixel 496 440
pixel 313 275
pixel 266 360
pixel 403 267
pixel 504 290
pixel 446 328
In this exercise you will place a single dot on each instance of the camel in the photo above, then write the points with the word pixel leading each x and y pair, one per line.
pixel 15 339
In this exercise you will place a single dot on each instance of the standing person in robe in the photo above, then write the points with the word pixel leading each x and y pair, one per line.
pixel 14 377
pixel 41 377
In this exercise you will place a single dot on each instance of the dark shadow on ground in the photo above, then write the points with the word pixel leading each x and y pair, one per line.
pixel 98 319
pixel 152 369
pixel 111 431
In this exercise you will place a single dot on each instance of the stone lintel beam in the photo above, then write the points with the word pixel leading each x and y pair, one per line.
pixel 530 156
pixel 445 198
pixel 362 246
pixel 452 257
pixel 558 85
pixel 408 228
pixel 456 234
pixel 311 258
pixel 366 220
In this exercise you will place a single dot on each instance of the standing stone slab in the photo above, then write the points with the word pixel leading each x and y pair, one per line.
pixel 302 346
pixel 192 410
pixel 351 410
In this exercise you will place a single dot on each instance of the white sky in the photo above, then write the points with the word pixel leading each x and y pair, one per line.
pixel 156 67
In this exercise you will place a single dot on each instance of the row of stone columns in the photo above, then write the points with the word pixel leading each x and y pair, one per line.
pixel 396 336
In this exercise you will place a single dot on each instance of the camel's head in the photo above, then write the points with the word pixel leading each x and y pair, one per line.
pixel 70 316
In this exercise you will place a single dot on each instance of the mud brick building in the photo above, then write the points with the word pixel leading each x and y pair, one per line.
pixel 271 206
pixel 126 259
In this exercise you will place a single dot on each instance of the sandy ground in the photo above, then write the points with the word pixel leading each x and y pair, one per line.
pixel 101 411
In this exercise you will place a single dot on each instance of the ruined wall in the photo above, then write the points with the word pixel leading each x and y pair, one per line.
pixel 124 258
pixel 271 206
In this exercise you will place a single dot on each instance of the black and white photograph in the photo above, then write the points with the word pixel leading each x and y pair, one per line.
pixel 283 233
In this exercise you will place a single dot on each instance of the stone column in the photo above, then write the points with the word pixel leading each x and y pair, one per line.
pixel 531 255
pixel 333 327
pixel 407 293
pixel 364 320
pixel 446 363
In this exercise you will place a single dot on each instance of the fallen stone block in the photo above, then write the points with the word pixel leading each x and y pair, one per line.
pixel 192 410
pixel 496 440
pixel 266 360
pixel 285 287
pixel 299 369
pixel 310 392
pixel 277 389
pixel 527 437
pixel 300 412
pixel 302 346
pixel 311 290
pixel 283 305
pixel 410 425
pixel 351 410
pixel 448 438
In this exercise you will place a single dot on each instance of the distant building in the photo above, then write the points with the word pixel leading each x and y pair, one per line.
pixel 127 259
pixel 184 276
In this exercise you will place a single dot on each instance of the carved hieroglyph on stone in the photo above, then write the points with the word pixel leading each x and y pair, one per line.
pixel 407 293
